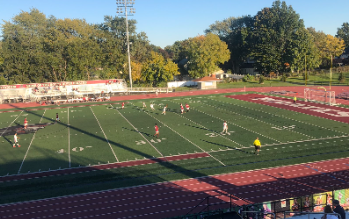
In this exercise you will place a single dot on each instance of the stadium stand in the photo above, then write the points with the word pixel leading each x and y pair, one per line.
pixel 69 91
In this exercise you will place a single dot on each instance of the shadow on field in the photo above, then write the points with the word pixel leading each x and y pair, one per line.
pixel 91 179
pixel 237 149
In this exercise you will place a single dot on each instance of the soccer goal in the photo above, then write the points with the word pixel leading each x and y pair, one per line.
pixel 320 96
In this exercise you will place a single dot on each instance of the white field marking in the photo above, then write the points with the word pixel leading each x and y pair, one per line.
pixel 211 130
pixel 105 136
pixel 273 145
pixel 285 116
pixel 257 119
pixel 238 126
pixel 250 117
pixel 185 138
pixel 26 153
pixel 140 132
pixel 11 123
pixel 163 183
pixel 69 158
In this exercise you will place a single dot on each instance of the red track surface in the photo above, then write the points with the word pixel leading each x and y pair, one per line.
pixel 178 197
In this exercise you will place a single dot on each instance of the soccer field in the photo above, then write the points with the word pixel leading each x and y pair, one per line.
pixel 96 135
pixel 102 134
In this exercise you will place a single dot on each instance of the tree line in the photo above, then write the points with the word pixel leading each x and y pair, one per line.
pixel 36 48
pixel 275 38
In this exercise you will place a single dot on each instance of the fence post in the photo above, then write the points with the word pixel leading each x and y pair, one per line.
pixel 208 205
pixel 230 203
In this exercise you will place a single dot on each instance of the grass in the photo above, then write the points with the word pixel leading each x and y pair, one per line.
pixel 108 134
pixel 313 80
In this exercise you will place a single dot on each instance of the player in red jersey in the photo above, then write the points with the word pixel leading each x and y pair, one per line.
pixel 123 105
pixel 156 131
pixel 182 109
pixel 25 123
pixel 187 107
pixel 57 118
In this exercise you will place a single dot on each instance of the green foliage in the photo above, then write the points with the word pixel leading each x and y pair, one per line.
pixel 236 32
pixel 37 49
pixel 3 80
pixel 261 79
pixel 205 53
pixel 341 77
pixel 276 37
pixel 283 78
pixel 327 46
pixel 247 78
pixel 343 33
pixel 158 70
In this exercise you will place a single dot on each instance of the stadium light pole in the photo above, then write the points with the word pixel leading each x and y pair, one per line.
pixel 122 8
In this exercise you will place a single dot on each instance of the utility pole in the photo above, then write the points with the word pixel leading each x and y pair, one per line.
pixel 123 6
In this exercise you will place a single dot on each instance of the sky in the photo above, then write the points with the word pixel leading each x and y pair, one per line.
pixel 167 21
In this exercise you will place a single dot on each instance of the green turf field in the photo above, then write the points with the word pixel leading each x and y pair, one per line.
pixel 88 136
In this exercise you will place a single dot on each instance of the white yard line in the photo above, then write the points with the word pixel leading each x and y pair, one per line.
pixel 139 132
pixel 105 136
pixel 250 117
pixel 210 130
pixel 69 158
pixel 283 116
pixel 11 124
pixel 185 138
pixel 26 153
pixel 238 125
pixel 294 142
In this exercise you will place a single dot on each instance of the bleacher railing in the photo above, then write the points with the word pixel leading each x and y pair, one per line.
pixel 301 213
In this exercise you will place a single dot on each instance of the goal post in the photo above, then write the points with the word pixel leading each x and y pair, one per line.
pixel 320 96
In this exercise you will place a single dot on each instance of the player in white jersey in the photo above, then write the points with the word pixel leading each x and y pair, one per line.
pixel 164 110
pixel 225 128
pixel 15 141
pixel 144 105
pixel 152 106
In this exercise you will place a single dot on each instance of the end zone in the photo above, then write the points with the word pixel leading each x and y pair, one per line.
pixel 313 109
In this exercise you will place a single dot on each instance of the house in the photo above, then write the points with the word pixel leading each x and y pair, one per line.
pixel 207 82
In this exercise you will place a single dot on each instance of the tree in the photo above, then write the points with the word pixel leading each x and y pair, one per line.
pixel 236 33
pixel 275 30
pixel 205 53
pixel 158 70
pixel 305 52
pixel 343 33
pixel 23 47
pixel 327 45
pixel 341 77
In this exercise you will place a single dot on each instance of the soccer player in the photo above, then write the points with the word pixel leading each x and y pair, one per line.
pixel 164 110
pixel 187 107
pixel 144 106
pixel 123 105
pixel 25 123
pixel 257 146
pixel 152 106
pixel 225 128
pixel 15 141
pixel 182 109
pixel 294 99
pixel 57 118
pixel 156 131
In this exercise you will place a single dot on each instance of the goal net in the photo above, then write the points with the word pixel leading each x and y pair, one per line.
pixel 320 96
